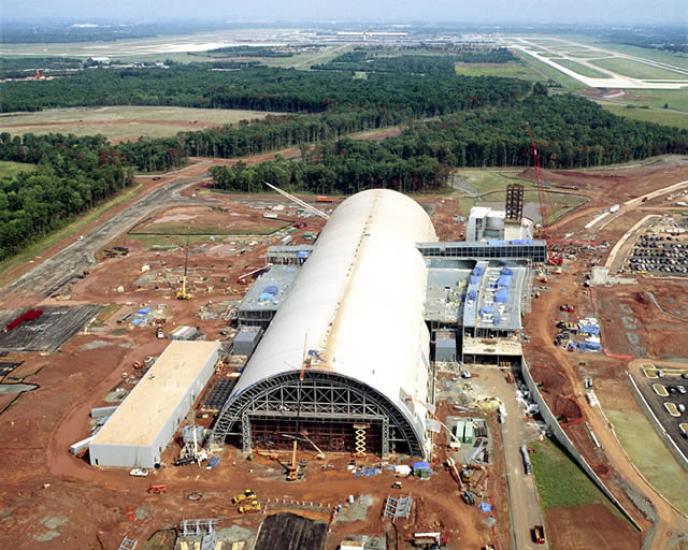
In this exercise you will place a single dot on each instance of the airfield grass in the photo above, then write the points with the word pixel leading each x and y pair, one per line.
pixel 650 455
pixel 123 122
pixel 70 229
pixel 665 117
pixel 635 69
pixel 9 168
pixel 559 480
pixel 549 73
pixel 582 70
pixel 513 69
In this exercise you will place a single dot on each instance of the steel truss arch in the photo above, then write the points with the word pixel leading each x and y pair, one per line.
pixel 321 395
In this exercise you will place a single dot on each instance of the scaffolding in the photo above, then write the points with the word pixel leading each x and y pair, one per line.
pixel 513 206
pixel 400 507
pixel 127 544
pixel 330 407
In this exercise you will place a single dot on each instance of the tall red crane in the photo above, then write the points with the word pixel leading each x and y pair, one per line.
pixel 538 181
pixel 552 258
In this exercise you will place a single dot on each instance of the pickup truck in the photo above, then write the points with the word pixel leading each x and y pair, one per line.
pixel 538 534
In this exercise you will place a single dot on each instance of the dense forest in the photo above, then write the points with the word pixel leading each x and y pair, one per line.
pixel 572 132
pixel 73 175
pixel 378 60
pixel 260 88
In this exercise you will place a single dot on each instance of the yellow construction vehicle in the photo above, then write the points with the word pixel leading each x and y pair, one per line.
pixel 248 494
pixel 250 506
pixel 182 294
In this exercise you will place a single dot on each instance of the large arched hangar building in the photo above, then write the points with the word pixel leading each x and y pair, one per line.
pixel 346 357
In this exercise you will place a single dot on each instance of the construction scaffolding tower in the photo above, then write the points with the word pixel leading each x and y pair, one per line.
pixel 514 203
pixel 127 544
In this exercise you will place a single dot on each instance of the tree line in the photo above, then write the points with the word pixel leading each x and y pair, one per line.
pixel 259 88
pixel 571 132
pixel 73 174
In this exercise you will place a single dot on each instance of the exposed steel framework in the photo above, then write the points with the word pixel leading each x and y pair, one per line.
pixel 513 206
pixel 328 406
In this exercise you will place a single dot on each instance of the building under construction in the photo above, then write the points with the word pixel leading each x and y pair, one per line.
pixel 345 360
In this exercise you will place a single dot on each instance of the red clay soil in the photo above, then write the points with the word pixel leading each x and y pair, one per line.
pixel 591 527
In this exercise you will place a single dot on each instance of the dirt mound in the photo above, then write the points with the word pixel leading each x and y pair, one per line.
pixel 550 380
pixel 566 409
pixel 593 527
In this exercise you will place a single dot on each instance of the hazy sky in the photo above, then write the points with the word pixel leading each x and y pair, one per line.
pixel 489 11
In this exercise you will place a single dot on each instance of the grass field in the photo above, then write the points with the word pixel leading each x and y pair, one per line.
pixel 120 123
pixel 652 114
pixel 628 67
pixel 549 73
pixel 490 184
pixel 513 69
pixel 9 168
pixel 581 69
pixel 37 248
pixel 651 456
pixel 559 480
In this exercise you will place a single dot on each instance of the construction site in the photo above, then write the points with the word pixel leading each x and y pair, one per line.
pixel 235 371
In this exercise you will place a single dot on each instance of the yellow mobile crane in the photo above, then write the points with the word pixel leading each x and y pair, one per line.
pixel 182 294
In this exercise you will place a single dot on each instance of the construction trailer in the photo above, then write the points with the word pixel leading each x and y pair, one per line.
pixel 140 429
pixel 246 340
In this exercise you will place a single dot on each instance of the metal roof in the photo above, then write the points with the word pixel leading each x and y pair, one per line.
pixel 261 295
pixel 358 304
pixel 487 310
pixel 156 397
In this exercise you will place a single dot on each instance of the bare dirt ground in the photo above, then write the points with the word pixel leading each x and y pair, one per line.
pixel 45 488
pixel 632 326
pixel 602 530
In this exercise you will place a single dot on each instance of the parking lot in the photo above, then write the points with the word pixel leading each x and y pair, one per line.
pixel 666 391
pixel 659 255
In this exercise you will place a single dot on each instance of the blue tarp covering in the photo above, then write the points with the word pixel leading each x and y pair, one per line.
pixel 421 466
pixel 502 296
pixel 486 309
pixel 271 289
pixel 496 242
pixel 589 329
pixel 143 311
pixel 213 462
pixel 591 346
pixel 504 280
pixel 472 294
pixel 507 271
pixel 478 270
pixel 485 507
pixel 474 280
pixel 266 297
pixel 303 253
pixel 522 241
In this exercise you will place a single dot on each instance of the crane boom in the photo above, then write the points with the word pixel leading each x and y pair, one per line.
pixel 538 180
pixel 296 200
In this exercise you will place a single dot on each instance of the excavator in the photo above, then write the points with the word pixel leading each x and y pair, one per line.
pixel 182 293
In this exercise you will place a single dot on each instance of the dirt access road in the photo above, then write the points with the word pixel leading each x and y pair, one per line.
pixel 78 256
pixel 524 506
pixel 669 520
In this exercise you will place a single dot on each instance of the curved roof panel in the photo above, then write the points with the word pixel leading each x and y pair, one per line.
pixel 356 307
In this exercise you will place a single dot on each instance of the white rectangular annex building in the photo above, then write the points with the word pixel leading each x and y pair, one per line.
pixel 143 425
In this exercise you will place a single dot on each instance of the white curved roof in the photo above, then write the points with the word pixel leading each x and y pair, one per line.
pixel 358 301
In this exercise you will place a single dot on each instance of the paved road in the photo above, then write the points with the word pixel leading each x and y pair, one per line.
pixel 524 505
pixel 78 256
